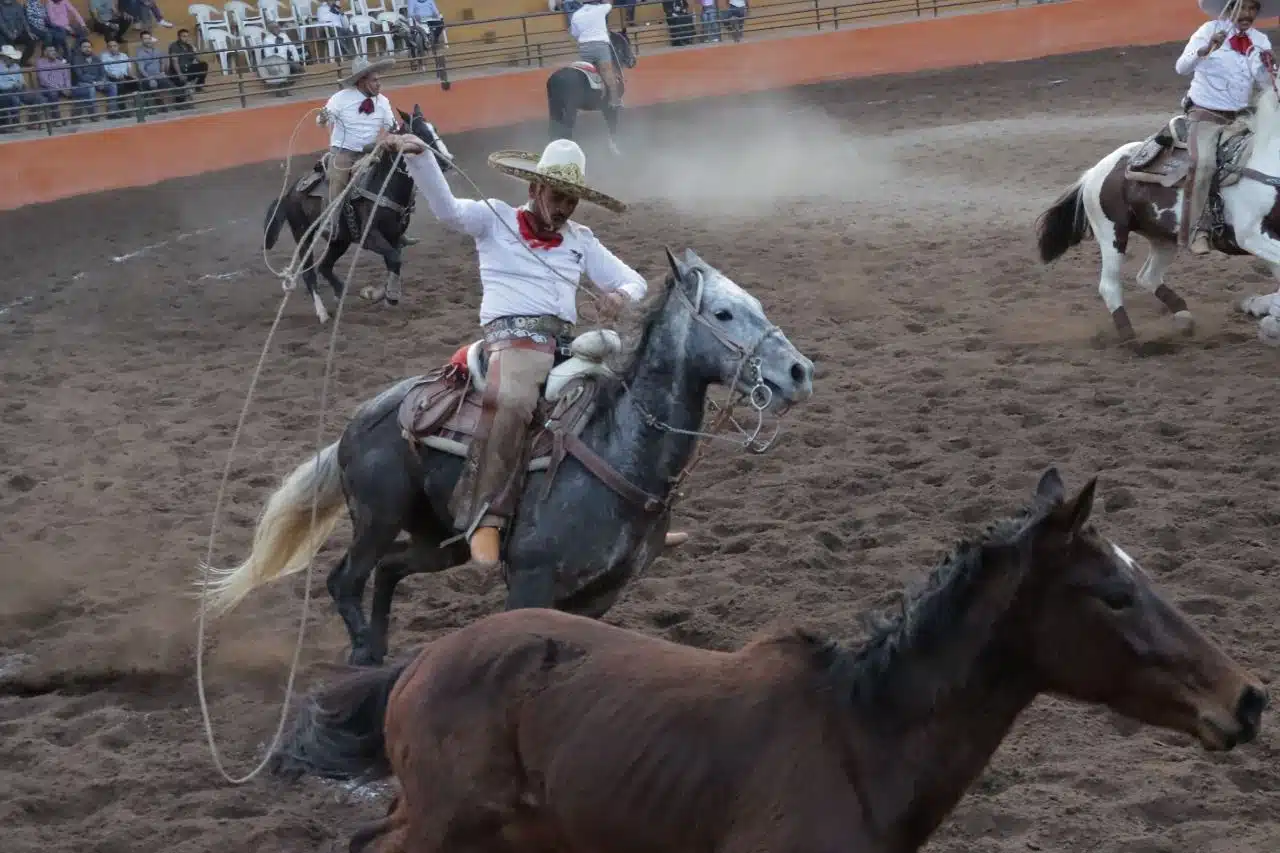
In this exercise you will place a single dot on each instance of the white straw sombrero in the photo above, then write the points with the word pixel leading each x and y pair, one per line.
pixel 363 66
pixel 562 166
pixel 1213 8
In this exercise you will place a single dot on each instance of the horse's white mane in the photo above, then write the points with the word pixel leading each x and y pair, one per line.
pixel 1266 121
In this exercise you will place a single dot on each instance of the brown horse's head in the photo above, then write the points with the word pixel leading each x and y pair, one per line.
pixel 1094 628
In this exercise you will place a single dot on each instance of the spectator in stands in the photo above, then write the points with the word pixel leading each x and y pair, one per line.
pixel 88 78
pixel 151 71
pixel 426 14
pixel 119 68
pixel 66 24
pixel 145 13
pixel 329 15
pixel 187 71
pixel 589 27
pixel 13 89
pixel 710 21
pixel 14 31
pixel 736 18
pixel 53 74
pixel 106 19
pixel 276 44
pixel 38 26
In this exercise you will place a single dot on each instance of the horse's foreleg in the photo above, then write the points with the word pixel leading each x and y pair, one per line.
pixel 392 260
pixel 335 250
pixel 420 559
pixel 1263 304
pixel 1151 278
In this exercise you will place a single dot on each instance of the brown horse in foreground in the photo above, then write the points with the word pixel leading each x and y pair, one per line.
pixel 534 730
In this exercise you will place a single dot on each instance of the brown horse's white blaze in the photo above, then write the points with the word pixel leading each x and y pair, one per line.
pixel 1105 204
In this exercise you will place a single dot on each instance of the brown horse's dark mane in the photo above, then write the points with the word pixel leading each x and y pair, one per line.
pixel 923 622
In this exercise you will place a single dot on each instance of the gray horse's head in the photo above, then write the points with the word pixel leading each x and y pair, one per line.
pixel 729 340
pixel 623 53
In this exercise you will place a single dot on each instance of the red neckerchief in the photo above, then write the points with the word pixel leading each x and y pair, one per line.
pixel 1240 43
pixel 533 234
pixel 366 107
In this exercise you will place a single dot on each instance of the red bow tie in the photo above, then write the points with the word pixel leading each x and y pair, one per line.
pixel 1240 43
pixel 366 107
pixel 534 235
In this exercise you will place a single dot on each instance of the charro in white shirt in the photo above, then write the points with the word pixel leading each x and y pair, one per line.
pixel 352 130
pixel 591 23
pixel 513 279
pixel 1224 79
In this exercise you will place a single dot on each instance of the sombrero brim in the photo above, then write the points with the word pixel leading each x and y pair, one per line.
pixel 371 68
pixel 523 165
pixel 1213 8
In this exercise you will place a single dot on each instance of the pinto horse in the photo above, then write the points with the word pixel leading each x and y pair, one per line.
pixel 302 205
pixel 574 87
pixel 1111 205
pixel 536 730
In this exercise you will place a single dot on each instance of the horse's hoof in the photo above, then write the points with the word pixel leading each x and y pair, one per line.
pixel 370 293
pixel 1184 323
pixel 362 657
pixel 446 85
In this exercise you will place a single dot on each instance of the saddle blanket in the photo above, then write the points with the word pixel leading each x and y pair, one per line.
pixel 589 69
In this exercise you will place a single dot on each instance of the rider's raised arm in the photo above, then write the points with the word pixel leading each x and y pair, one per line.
pixel 461 214
pixel 1190 58
pixel 607 272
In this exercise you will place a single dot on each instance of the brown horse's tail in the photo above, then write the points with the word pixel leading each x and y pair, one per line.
pixel 341 733
pixel 1063 225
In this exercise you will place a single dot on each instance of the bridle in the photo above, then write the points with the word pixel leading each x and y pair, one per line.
pixel 758 397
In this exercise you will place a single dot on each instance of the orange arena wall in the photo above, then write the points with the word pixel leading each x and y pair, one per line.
pixel 46 169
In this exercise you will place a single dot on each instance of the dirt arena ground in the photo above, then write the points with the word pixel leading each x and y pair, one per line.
pixel 886 225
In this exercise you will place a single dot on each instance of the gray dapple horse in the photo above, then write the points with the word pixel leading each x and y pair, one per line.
pixel 575 541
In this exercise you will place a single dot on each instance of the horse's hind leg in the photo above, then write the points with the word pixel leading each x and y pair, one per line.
pixel 1151 278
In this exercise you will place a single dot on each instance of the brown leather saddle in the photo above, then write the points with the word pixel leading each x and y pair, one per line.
pixel 1165 157
pixel 442 411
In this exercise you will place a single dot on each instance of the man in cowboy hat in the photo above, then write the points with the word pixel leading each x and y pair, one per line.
pixel 358 116
pixel 1225 58
pixel 529 286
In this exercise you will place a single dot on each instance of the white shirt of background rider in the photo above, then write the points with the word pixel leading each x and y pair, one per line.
pixel 1224 79
pixel 591 23
pixel 351 129
pixel 513 280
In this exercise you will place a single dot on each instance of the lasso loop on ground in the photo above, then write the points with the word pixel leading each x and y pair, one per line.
pixel 207 564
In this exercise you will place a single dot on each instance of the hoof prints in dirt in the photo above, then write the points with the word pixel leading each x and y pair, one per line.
pixel 952 371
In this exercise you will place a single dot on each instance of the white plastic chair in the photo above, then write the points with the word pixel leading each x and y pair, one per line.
pixel 271 11
pixel 240 15
pixel 251 36
pixel 308 32
pixel 365 28
pixel 220 40
pixel 208 19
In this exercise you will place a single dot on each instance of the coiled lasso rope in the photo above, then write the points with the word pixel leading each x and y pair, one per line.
pixel 207 563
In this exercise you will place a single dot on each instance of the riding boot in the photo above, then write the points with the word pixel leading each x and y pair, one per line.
pixel 486 546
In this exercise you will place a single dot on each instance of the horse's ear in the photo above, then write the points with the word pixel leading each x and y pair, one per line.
pixel 417 111
pixel 1077 512
pixel 1051 490
pixel 678 269
pixel 404 116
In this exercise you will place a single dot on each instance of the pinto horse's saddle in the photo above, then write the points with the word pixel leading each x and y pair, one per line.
pixel 594 79
pixel 1165 157
pixel 442 410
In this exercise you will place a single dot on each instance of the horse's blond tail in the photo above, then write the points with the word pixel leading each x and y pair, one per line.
pixel 284 542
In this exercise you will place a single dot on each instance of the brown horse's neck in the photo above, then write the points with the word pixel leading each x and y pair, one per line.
pixel 912 776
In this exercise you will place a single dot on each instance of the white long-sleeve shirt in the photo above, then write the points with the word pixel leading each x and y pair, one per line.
pixel 513 280
pixel 1224 79
pixel 350 129
pixel 591 23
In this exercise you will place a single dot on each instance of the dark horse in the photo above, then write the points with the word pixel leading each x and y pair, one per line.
pixel 537 730
pixel 304 202
pixel 572 88
pixel 583 528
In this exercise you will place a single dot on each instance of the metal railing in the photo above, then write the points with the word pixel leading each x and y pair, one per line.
pixel 471 48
